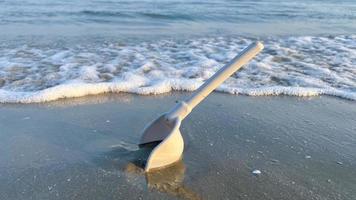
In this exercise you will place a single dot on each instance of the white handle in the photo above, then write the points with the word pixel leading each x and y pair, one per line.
pixel 185 107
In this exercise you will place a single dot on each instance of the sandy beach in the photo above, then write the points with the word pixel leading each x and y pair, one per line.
pixel 86 148
pixel 79 81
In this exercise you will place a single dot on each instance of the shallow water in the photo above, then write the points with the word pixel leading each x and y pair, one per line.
pixel 147 17
pixel 87 149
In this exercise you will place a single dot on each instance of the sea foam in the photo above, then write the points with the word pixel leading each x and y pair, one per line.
pixel 296 66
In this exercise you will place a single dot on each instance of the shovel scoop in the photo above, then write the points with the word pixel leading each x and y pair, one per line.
pixel 164 131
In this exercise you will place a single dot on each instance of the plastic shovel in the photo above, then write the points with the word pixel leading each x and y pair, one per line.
pixel 164 131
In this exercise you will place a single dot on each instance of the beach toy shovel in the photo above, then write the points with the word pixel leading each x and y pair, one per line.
pixel 164 131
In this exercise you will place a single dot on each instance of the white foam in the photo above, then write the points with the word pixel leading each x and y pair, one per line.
pixel 84 89
pixel 296 66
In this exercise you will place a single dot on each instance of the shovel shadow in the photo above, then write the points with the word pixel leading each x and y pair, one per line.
pixel 132 161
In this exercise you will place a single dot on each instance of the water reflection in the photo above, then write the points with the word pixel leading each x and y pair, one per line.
pixel 168 180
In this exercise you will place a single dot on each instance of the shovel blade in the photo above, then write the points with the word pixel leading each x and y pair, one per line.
pixel 156 131
pixel 171 145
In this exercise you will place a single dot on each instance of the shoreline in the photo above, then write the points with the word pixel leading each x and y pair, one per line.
pixel 84 148
pixel 67 92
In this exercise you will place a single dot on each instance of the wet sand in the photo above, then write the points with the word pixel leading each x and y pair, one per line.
pixel 86 148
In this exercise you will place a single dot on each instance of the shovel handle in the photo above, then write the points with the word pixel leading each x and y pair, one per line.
pixel 185 107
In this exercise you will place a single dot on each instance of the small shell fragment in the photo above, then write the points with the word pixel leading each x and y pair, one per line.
pixel 256 172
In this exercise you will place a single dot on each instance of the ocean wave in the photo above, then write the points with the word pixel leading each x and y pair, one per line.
pixel 153 15
pixel 296 66
pixel 170 16
pixel 102 13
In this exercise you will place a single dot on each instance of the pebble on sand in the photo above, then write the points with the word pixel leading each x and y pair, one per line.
pixel 307 157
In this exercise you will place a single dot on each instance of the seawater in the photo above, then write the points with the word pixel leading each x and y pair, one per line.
pixel 59 49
